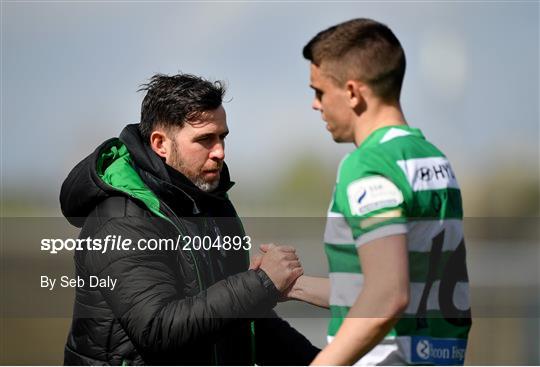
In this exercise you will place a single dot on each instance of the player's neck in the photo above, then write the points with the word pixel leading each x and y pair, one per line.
pixel 376 116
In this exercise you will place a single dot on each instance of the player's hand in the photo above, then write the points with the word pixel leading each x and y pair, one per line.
pixel 281 264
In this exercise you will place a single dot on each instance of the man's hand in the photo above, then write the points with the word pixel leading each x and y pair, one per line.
pixel 255 262
pixel 281 265
pixel 313 290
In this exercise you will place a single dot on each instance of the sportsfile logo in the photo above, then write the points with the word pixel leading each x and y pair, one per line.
pixel 437 351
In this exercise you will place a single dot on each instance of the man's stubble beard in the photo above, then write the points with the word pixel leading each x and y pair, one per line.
pixel 178 164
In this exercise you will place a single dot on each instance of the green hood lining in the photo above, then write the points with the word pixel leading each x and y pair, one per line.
pixel 114 167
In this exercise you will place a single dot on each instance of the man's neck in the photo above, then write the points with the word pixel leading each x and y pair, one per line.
pixel 377 115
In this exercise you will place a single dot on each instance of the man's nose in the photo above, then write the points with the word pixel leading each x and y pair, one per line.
pixel 218 151
pixel 316 105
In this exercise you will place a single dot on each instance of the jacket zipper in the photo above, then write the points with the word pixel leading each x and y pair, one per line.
pixel 201 285
pixel 213 276
pixel 252 323
pixel 199 279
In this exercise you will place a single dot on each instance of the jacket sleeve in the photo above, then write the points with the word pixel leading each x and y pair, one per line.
pixel 148 303
pixel 279 344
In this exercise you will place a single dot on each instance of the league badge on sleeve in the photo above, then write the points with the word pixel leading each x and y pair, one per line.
pixel 372 193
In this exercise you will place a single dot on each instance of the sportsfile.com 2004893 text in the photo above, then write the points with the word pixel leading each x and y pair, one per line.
pixel 119 243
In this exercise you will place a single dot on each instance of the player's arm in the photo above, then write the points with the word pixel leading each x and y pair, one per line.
pixel 314 290
pixel 384 296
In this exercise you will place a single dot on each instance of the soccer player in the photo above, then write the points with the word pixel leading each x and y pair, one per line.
pixel 398 288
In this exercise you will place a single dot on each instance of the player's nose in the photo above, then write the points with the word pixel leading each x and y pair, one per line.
pixel 316 104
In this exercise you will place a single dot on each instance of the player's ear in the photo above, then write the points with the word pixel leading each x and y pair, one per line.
pixel 356 92
pixel 159 143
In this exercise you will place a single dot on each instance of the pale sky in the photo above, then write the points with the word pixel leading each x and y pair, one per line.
pixel 70 72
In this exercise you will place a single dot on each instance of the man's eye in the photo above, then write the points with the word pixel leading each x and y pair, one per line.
pixel 318 94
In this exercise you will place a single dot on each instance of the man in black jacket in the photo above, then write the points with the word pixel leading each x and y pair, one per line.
pixel 164 178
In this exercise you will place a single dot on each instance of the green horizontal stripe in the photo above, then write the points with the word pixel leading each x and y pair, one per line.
pixel 437 327
pixel 436 204
pixel 342 258
pixel 334 325
pixel 338 314
pixel 419 266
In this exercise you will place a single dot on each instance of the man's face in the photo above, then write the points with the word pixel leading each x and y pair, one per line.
pixel 334 104
pixel 198 149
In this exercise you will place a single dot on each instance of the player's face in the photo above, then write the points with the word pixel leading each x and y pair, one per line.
pixel 198 149
pixel 333 103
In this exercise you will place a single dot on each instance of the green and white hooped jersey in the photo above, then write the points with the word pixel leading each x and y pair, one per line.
pixel 396 182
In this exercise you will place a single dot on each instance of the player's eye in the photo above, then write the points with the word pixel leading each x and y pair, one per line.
pixel 203 138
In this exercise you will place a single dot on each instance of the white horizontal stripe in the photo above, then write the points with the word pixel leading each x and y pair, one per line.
pixel 345 288
pixel 337 230
pixel 421 234
pixel 380 232
pixel 431 173
pixel 460 296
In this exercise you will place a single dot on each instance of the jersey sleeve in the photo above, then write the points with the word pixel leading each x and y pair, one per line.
pixel 371 195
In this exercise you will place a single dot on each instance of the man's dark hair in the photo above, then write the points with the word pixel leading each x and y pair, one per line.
pixel 360 49
pixel 171 101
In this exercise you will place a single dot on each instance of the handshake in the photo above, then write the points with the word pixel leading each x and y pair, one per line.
pixel 282 266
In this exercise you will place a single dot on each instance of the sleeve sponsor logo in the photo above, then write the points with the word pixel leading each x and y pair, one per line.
pixel 372 193
pixel 429 173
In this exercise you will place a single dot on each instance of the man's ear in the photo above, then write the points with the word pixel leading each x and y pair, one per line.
pixel 159 143
pixel 356 91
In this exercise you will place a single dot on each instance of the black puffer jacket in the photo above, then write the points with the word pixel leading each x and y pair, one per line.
pixel 168 306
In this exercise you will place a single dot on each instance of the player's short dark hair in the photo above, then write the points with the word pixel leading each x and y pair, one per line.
pixel 360 49
pixel 171 101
